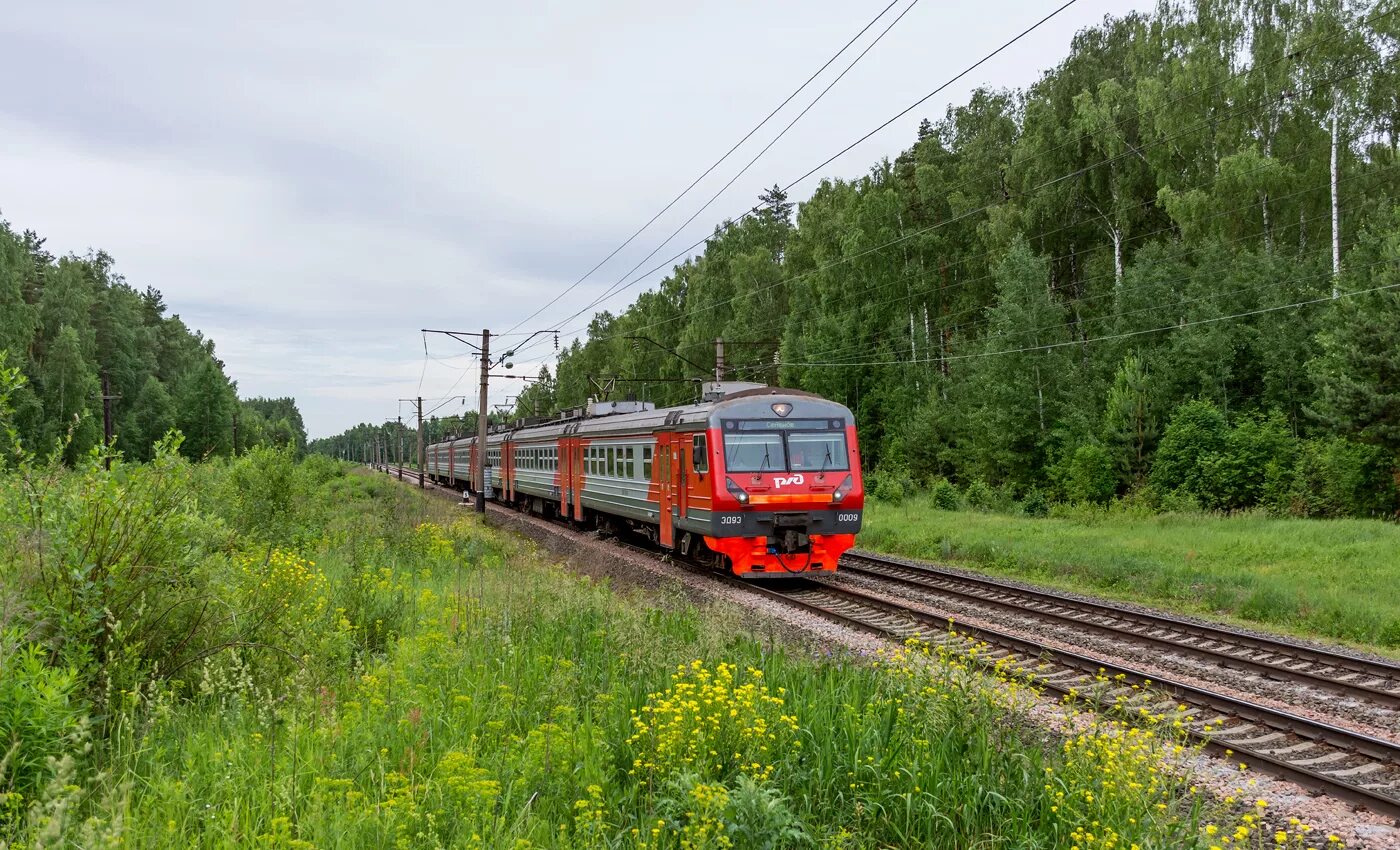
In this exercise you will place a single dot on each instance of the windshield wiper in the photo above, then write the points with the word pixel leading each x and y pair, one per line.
pixel 766 459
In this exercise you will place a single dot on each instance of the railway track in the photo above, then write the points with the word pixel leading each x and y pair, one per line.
pixel 1349 677
pixel 1341 763
pixel 1344 764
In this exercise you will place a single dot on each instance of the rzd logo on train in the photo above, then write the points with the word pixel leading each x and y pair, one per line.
pixel 795 479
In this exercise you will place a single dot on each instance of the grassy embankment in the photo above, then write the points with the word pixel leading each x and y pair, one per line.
pixel 1335 579
pixel 399 675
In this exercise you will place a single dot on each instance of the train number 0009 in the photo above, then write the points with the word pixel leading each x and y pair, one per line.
pixel 848 517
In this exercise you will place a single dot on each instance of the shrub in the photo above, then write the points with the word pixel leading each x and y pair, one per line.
pixel 39 715
pixel 123 579
pixel 892 484
pixel 1233 477
pixel 259 494
pixel 1092 475
pixel 1197 428
pixel 979 496
pixel 1332 478
pixel 945 495
pixel 1035 503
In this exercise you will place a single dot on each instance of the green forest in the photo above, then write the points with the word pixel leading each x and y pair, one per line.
pixel 1166 271
pixel 70 323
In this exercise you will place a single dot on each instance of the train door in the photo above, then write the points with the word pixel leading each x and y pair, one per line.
pixel 471 467
pixel 563 474
pixel 681 482
pixel 663 487
pixel 508 470
pixel 579 470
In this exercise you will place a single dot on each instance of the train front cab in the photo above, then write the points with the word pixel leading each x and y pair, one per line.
pixel 786 487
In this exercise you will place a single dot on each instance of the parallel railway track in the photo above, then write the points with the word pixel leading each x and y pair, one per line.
pixel 1348 765
pixel 1347 676
pixel 1339 762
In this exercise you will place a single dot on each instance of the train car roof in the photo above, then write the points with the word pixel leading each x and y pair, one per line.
pixel 757 402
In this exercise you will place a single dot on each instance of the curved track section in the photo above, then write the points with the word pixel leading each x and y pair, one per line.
pixel 1347 765
pixel 1355 678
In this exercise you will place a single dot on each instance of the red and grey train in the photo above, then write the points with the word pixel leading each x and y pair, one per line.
pixel 763 481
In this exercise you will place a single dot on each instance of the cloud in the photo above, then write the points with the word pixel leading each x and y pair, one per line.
pixel 311 183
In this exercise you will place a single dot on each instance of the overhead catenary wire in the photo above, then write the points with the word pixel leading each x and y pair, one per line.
pixel 712 167
pixel 1151 308
pixel 742 171
pixel 944 288
pixel 1209 122
pixel 969 69
pixel 1116 291
pixel 1133 151
pixel 1124 335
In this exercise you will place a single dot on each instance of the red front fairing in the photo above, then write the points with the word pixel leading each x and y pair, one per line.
pixel 793 494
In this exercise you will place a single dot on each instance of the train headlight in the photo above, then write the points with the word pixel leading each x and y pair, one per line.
pixel 736 491
pixel 843 490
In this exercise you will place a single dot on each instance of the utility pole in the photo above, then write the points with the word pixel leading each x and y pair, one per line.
pixel 719 358
pixel 479 474
pixel 107 399
pixel 399 458
pixel 422 450
pixel 481 422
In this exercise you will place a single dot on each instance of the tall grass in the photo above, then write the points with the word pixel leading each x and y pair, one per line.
pixel 433 683
pixel 1329 578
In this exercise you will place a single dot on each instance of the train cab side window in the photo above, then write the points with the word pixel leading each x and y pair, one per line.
pixel 699 457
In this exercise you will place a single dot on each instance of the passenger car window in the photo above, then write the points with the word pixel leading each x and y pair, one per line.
pixel 646 462
pixel 699 459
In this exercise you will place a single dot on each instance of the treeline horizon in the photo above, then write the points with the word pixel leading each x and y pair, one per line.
pixel 66 322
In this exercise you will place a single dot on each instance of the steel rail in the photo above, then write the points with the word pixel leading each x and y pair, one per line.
pixel 1285 759
pixel 936 581
pixel 1279 645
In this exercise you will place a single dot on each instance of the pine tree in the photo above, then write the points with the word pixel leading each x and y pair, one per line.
pixel 1129 422
pixel 774 201
pixel 18 319
pixel 206 406
pixel 1015 391
pixel 1358 372
pixel 153 414
pixel 71 393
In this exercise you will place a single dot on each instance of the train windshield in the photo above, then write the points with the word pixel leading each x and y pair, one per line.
pixel 817 451
pixel 801 445
pixel 754 453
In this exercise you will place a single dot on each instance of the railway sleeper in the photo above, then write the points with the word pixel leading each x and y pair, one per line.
pixel 1359 770
pixel 1325 759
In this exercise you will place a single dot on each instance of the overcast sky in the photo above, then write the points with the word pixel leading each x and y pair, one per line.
pixel 311 183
